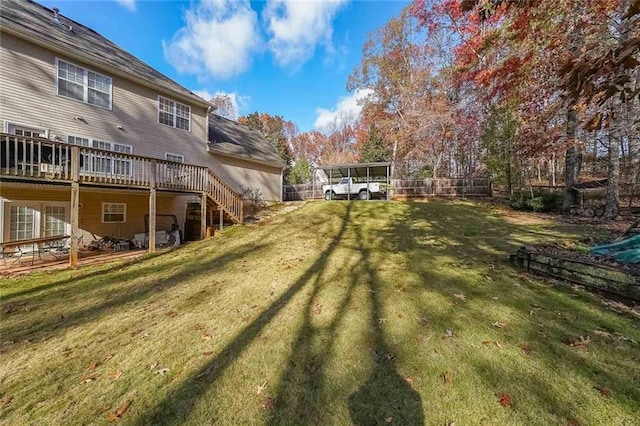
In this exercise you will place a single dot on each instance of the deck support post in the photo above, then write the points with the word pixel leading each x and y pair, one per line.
pixel 75 205
pixel 152 209
pixel 221 218
pixel 203 216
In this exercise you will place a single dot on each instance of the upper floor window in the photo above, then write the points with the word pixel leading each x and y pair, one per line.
pixel 84 85
pixel 174 114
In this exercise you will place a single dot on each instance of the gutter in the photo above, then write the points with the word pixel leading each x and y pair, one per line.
pixel 38 40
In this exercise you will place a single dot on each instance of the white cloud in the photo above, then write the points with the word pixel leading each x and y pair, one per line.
pixel 217 40
pixel 240 102
pixel 347 108
pixel 296 27
pixel 129 4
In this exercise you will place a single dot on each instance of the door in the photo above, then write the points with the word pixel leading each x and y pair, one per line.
pixel 55 220
pixel 192 222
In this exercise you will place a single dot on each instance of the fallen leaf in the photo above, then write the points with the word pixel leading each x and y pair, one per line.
pixel 526 349
pixel 66 351
pixel 451 423
pixel 581 344
pixel 106 407
pixel 120 411
pixel 461 296
pixel 495 298
pixel 409 380
pixel 116 375
pixel 107 357
pixel 93 366
pixel 162 371
pixel 499 324
pixel 602 333
pixel 262 387
pixel 449 333
pixel 269 403
pixel 605 391
pixel 206 336
pixel 486 342
pixel 208 353
pixel 171 314
pixel 504 399
pixel 382 320
pixel 572 422
pixel 388 419
pixel 89 379
pixel 317 309
pixel 154 365
pixel 447 377
pixel 498 345
pixel 5 400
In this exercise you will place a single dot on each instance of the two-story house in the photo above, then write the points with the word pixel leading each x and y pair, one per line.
pixel 93 139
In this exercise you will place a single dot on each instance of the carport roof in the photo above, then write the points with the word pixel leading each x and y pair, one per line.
pixel 358 170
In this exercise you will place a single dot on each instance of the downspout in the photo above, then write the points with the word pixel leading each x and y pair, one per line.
pixel 206 141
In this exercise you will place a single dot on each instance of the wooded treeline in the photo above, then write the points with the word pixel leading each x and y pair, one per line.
pixel 519 90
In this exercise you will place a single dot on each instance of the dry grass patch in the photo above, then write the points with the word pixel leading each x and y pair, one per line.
pixel 336 313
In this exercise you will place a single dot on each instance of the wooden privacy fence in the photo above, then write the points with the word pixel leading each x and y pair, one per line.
pixel 408 188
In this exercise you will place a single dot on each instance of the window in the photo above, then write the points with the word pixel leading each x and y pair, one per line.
pixel 103 163
pixel 174 114
pixel 114 212
pixel 21 223
pixel 28 132
pixel 55 221
pixel 176 158
pixel 83 85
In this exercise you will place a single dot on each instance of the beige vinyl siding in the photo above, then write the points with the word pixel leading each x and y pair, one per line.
pixel 91 200
pixel 249 174
pixel 28 97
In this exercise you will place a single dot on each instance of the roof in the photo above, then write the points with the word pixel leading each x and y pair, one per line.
pixel 358 169
pixel 228 137
pixel 34 22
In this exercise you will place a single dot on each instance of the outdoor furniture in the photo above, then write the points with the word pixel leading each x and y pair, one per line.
pixel 17 249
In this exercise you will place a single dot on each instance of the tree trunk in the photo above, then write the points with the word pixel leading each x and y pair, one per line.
pixel 613 176
pixel 572 163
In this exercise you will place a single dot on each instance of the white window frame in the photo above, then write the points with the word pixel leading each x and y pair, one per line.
pixel 174 113
pixel 67 215
pixel 11 126
pixel 85 84
pixel 124 215
pixel 168 154
pixel 95 144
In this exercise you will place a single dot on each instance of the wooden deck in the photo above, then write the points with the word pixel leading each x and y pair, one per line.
pixel 28 159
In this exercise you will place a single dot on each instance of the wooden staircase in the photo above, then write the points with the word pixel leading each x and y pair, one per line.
pixel 224 197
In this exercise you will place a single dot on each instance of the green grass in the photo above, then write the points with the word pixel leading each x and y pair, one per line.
pixel 331 314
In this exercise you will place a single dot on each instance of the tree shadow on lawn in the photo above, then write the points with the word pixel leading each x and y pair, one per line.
pixel 121 288
pixel 385 394
pixel 548 315
pixel 177 405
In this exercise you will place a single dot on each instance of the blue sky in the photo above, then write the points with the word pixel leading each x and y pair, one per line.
pixel 284 57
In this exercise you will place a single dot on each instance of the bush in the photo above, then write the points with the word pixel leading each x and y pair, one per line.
pixel 253 201
pixel 541 201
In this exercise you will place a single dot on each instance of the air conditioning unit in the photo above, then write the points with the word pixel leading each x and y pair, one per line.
pixel 50 168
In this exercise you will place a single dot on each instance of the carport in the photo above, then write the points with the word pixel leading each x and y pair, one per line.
pixel 362 172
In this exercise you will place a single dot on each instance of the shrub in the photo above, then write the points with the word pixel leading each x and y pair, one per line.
pixel 540 201
pixel 253 201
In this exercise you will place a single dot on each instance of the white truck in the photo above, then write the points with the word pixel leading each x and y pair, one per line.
pixel 347 188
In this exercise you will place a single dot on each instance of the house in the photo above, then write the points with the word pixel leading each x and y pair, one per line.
pixel 245 158
pixel 93 139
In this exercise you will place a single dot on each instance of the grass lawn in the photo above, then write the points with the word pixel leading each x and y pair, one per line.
pixel 336 313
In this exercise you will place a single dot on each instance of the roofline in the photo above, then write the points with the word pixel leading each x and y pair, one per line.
pixel 354 166
pixel 215 151
pixel 37 39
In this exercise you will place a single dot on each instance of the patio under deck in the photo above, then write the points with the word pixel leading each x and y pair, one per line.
pixel 39 160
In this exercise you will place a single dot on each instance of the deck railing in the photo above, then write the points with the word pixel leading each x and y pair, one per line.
pixel 32 158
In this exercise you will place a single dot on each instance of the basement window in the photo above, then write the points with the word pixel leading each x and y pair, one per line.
pixel 114 212
pixel 83 85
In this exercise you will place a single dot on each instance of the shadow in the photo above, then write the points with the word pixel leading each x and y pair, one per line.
pixel 456 248
pixel 385 396
pixel 113 294
pixel 177 405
